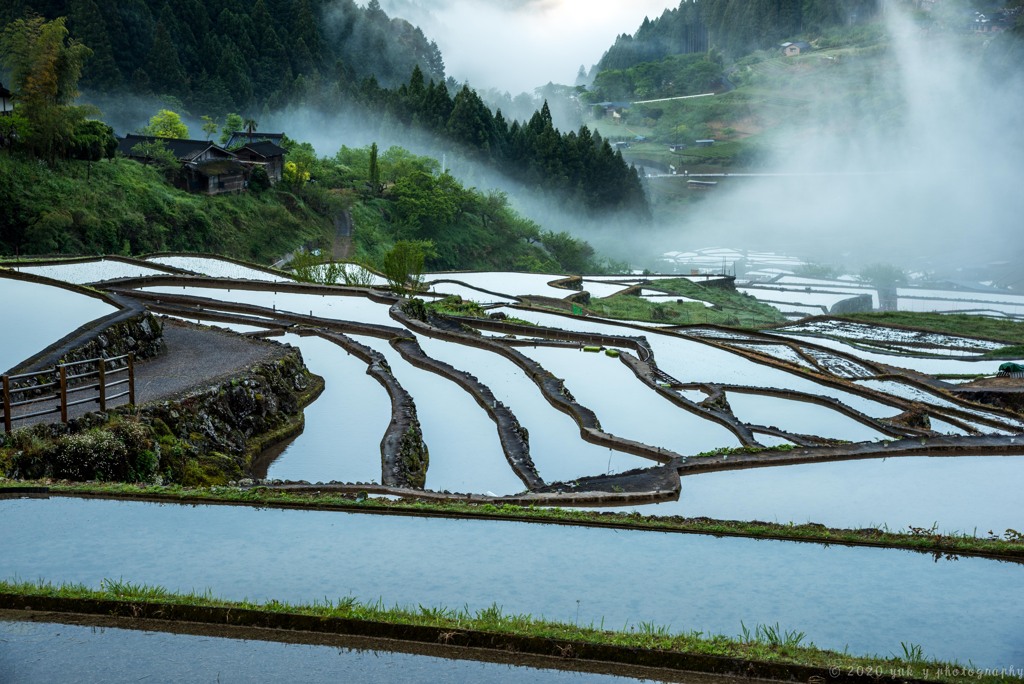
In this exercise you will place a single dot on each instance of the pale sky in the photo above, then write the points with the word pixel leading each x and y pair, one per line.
pixel 518 45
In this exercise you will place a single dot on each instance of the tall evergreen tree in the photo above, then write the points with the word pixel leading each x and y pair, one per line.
pixel 166 75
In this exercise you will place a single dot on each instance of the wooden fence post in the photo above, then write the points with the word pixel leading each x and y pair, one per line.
pixel 131 378
pixel 63 393
pixel 103 385
pixel 7 403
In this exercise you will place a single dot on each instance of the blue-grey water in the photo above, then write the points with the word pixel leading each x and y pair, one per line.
pixel 35 316
pixel 344 426
pixel 972 495
pixel 38 653
pixel 869 600
pixel 465 450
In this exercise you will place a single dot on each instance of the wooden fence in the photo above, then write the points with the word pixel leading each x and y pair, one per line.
pixel 63 383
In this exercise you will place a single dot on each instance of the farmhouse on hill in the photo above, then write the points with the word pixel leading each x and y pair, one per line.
pixel 794 49
pixel 209 168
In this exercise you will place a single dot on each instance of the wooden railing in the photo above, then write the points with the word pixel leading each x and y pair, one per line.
pixel 63 381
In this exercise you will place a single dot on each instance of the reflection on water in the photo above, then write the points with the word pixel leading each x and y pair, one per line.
pixel 627 408
pixel 465 452
pixel 46 652
pixel 555 444
pixel 965 494
pixel 35 316
pixel 867 599
pixel 344 426
pixel 90 271
pixel 690 361
pixel 799 417
pixel 339 307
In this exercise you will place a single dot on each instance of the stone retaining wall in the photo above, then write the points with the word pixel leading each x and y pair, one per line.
pixel 404 455
pixel 513 436
pixel 552 388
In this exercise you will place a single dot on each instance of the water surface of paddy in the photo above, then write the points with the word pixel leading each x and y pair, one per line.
pixel 344 426
pixel 465 452
pixel 339 307
pixel 972 494
pixel 557 449
pixel 626 407
pixel 36 315
pixel 867 599
pixel 33 652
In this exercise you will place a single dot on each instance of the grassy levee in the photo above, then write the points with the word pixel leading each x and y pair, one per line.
pixel 1007 546
pixel 730 307
pixel 999 329
pixel 766 651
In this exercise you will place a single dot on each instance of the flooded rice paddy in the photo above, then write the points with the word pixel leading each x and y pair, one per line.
pixel 555 445
pixel 975 495
pixel 36 315
pixel 47 652
pixel 341 440
pixel 217 268
pixel 865 599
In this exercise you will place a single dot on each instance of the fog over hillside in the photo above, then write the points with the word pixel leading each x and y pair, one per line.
pixel 518 45
pixel 931 183
pixel 937 187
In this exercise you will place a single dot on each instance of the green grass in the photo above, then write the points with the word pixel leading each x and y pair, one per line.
pixel 731 308
pixel 1010 332
pixel 1015 351
pixel 764 644
pixel 122 207
pixel 1008 544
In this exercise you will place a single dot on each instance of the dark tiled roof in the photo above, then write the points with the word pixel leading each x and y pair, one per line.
pixel 265 149
pixel 219 167
pixel 242 138
pixel 183 150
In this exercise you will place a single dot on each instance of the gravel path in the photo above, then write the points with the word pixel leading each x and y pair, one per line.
pixel 195 358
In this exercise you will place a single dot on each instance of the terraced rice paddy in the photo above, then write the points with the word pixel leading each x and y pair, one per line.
pixel 612 425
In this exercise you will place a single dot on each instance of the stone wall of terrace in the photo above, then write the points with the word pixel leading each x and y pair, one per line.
pixel 133 329
pixel 552 388
pixel 404 455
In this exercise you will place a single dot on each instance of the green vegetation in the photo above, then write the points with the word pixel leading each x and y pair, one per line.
pixel 1002 330
pixel 579 167
pixel 122 207
pixel 166 124
pixel 206 59
pixel 122 450
pixel 455 305
pixel 238 56
pixel 397 197
pixel 403 265
pixel 730 307
pixel 763 644
pixel 735 26
pixel 46 65
pixel 1015 351
pixel 669 77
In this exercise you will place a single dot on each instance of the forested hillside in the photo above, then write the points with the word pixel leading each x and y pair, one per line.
pixel 234 55
pixel 735 27
pixel 579 166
